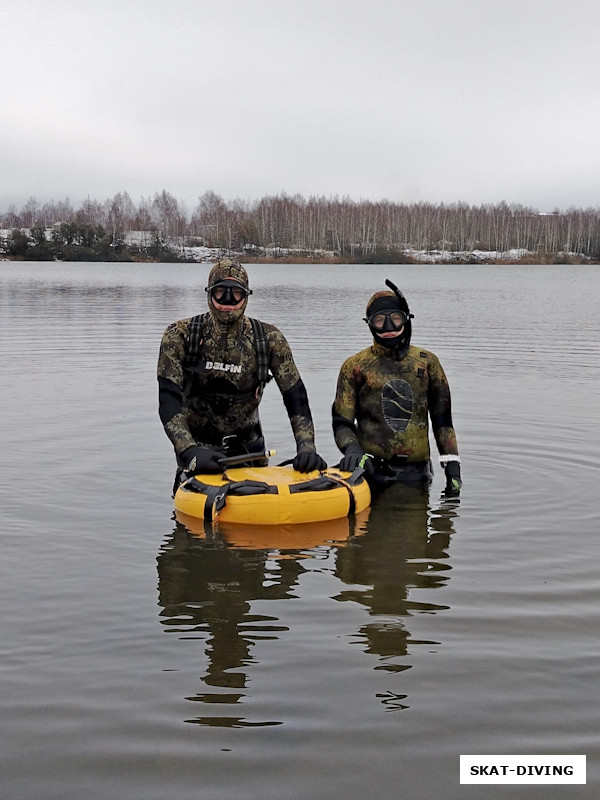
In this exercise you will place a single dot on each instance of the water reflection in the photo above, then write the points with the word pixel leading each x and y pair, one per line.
pixel 404 549
pixel 209 582
pixel 283 541
pixel 206 590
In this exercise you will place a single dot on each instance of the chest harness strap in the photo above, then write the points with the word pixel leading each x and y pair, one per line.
pixel 194 352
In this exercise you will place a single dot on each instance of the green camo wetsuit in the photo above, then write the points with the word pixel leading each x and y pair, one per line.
pixel 390 401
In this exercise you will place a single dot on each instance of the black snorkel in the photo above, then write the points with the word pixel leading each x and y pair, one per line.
pixel 401 299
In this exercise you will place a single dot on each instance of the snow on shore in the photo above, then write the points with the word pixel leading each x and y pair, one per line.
pixel 209 254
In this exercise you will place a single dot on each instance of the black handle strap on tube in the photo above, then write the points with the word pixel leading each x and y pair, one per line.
pixel 243 458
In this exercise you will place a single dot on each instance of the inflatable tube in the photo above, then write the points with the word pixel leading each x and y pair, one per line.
pixel 272 496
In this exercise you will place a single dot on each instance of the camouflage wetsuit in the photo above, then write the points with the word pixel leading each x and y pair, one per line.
pixel 384 399
pixel 219 394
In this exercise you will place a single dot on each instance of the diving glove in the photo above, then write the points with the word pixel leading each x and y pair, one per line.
pixel 453 479
pixel 355 457
pixel 202 459
pixel 308 461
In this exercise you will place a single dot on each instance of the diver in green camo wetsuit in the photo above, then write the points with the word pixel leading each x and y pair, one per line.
pixel 384 399
pixel 210 381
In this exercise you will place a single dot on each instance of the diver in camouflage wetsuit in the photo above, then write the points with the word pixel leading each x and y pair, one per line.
pixel 385 396
pixel 210 384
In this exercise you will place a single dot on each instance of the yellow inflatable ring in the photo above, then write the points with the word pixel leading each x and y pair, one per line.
pixel 272 496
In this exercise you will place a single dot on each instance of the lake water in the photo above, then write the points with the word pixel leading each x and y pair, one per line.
pixel 141 662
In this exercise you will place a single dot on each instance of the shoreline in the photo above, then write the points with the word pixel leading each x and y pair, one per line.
pixel 530 260
pixel 96 245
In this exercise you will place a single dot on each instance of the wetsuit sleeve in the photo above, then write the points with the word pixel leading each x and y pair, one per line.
pixel 440 409
pixel 170 387
pixel 293 391
pixel 344 408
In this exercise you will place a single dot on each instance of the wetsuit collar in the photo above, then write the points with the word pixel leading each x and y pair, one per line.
pixel 396 353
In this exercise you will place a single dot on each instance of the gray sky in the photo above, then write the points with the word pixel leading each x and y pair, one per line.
pixel 411 100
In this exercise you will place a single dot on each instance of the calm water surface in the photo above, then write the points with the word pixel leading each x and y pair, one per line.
pixel 139 661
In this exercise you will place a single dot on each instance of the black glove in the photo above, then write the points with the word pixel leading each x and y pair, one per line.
pixel 307 461
pixel 453 479
pixel 202 459
pixel 353 457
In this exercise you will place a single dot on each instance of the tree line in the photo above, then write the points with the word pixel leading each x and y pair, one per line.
pixel 352 230
pixel 83 241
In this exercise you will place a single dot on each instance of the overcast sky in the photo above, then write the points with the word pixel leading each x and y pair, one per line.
pixel 476 101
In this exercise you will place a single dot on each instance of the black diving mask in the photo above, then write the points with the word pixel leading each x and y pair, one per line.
pixel 228 294
pixel 387 320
